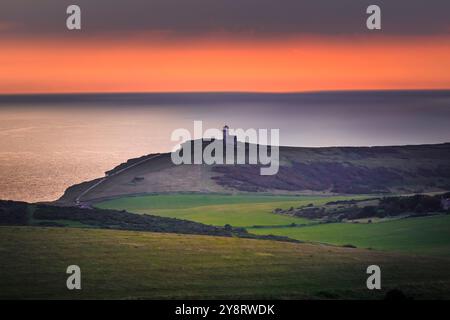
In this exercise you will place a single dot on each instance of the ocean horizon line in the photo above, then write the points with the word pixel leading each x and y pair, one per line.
pixel 2 94
pixel 217 96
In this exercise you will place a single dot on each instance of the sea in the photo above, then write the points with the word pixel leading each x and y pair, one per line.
pixel 50 142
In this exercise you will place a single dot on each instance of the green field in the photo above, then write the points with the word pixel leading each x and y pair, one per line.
pixel 424 235
pixel 133 265
pixel 236 210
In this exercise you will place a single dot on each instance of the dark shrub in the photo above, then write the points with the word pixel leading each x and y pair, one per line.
pixel 13 213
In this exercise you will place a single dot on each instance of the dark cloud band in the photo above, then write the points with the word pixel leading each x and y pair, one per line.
pixel 193 18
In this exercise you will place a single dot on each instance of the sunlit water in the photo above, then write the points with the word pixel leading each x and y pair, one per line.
pixel 44 148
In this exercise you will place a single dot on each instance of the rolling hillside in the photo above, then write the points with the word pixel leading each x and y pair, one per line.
pixel 334 170
pixel 138 265
pixel 423 233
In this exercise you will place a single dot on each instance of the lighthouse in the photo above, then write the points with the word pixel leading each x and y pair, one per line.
pixel 227 138
pixel 226 133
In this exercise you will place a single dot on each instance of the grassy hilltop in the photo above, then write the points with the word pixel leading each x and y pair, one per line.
pixel 334 170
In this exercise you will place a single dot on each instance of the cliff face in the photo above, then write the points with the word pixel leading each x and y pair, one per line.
pixel 344 170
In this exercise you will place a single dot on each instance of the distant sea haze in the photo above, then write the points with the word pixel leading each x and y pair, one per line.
pixel 49 142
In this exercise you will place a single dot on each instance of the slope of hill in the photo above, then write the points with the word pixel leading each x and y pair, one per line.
pixel 412 224
pixel 135 265
pixel 429 235
pixel 334 170
pixel 14 213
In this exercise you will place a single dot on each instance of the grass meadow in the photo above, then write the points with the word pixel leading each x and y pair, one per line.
pixel 421 235
pixel 143 265
pixel 413 254
pixel 236 210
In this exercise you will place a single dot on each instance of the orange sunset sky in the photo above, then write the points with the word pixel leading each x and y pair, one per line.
pixel 291 65
pixel 165 46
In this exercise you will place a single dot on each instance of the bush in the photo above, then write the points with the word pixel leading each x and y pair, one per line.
pixel 13 213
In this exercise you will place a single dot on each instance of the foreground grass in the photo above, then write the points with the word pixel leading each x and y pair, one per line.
pixel 236 210
pixel 424 235
pixel 123 264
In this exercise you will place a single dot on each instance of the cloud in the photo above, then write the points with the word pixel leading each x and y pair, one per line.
pixel 240 18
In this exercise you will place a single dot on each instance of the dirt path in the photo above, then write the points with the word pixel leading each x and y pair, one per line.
pixel 95 185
